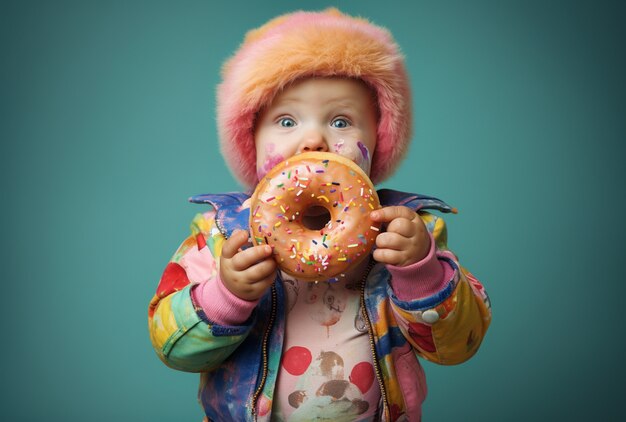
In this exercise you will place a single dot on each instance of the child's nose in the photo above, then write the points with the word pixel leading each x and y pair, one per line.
pixel 313 141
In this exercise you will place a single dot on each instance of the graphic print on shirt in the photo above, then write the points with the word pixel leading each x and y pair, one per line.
pixel 291 288
pixel 326 369
pixel 327 303
pixel 359 322
pixel 336 398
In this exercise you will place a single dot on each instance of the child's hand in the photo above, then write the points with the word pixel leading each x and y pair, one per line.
pixel 246 273
pixel 406 239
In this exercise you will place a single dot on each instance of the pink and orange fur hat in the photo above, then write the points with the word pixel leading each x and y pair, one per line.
pixel 312 44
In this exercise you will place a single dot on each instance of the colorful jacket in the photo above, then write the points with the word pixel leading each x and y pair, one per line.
pixel 239 364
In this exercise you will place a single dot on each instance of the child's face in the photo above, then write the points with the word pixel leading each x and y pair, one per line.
pixel 318 114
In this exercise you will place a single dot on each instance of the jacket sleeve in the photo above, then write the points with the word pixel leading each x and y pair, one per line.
pixel 448 326
pixel 181 334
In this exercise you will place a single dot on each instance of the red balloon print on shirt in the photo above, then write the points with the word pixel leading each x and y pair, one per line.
pixel 362 376
pixel 297 360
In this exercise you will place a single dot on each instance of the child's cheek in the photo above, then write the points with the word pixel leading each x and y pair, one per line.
pixel 366 158
pixel 356 152
pixel 271 160
pixel 338 147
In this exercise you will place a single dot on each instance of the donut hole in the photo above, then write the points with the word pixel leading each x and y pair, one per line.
pixel 315 217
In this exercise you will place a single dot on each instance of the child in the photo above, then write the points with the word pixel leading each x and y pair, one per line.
pixel 271 347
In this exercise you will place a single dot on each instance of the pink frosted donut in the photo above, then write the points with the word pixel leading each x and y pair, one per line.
pixel 315 183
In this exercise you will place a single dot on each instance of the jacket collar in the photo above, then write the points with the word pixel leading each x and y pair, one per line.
pixel 231 214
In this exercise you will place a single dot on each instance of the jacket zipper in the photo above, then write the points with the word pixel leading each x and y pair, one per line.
pixel 266 337
pixel 370 331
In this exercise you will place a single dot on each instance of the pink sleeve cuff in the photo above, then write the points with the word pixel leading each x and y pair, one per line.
pixel 220 305
pixel 422 279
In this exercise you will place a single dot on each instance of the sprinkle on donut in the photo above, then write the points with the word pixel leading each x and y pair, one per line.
pixel 315 181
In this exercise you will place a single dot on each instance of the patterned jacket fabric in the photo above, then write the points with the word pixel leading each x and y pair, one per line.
pixel 239 364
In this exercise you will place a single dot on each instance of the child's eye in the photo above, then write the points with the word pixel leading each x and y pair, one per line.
pixel 286 122
pixel 340 123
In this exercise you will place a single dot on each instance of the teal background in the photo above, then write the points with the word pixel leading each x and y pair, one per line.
pixel 107 126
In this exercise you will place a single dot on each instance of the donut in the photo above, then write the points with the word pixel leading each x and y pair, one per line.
pixel 339 196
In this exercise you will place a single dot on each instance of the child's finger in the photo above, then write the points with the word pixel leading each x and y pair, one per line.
pixel 247 258
pixel 387 256
pixel 234 242
pixel 402 226
pixel 261 270
pixel 389 240
pixel 387 214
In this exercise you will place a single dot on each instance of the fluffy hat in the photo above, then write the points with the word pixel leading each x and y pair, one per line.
pixel 312 44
